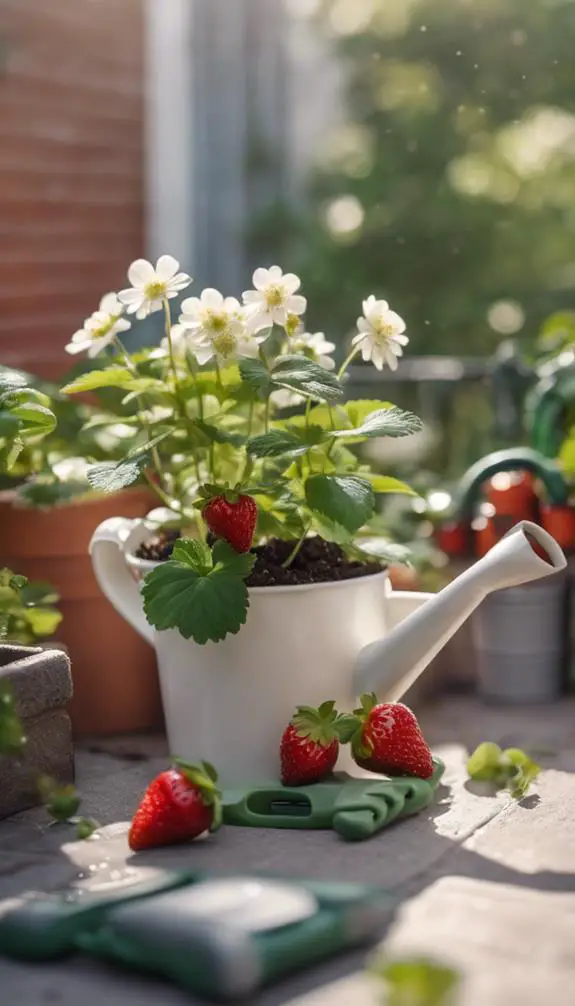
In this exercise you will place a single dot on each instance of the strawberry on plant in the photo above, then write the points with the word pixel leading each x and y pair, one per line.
pixel 178 805
pixel 388 739
pixel 310 744
pixel 229 514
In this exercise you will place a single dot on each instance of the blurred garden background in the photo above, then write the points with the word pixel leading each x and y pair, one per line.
pixel 420 150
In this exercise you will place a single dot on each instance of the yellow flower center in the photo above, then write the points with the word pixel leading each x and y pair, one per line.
pixel 99 333
pixel 275 296
pixel 382 329
pixel 155 290
pixel 224 343
pixel 215 321
pixel 292 324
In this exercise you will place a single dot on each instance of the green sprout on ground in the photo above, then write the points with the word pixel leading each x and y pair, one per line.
pixel 416 982
pixel 510 769
pixel 61 802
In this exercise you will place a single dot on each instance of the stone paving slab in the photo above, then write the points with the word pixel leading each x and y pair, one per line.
pixel 484 882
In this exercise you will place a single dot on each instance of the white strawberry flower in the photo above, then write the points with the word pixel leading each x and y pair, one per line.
pixel 273 299
pixel 100 328
pixel 315 347
pixel 213 315
pixel 381 335
pixel 150 286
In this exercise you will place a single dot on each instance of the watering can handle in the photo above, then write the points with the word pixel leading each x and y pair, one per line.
pixel 509 460
pixel 113 575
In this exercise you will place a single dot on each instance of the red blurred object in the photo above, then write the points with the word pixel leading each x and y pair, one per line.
pixel 454 539
pixel 513 495
pixel 559 521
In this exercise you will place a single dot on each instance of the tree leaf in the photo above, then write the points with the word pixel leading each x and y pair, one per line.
pixel 256 374
pixel 297 373
pixel 201 606
pixel 392 422
pixel 276 443
pixel 387 484
pixel 110 377
pixel 219 436
pixel 345 499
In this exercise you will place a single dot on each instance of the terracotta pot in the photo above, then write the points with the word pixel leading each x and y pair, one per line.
pixel 114 671
pixel 513 495
pixel 559 521
pixel 454 539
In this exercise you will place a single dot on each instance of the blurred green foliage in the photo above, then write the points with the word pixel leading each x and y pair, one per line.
pixel 450 189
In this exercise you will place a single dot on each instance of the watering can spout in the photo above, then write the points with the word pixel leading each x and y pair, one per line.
pixel 389 666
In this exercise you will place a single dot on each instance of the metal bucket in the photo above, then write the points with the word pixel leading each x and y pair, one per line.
pixel 519 636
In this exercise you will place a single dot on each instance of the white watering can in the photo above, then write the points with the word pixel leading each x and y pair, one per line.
pixel 229 702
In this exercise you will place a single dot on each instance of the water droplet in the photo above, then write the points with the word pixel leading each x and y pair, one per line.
pixel 427 322
pixel 459 53
pixel 423 27
pixel 523 76
pixel 476 66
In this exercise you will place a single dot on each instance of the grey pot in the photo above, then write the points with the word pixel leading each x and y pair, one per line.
pixel 519 636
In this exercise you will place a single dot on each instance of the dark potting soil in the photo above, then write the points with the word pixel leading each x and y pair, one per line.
pixel 318 561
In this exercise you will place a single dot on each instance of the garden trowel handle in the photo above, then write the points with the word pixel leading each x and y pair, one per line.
pixel 368 815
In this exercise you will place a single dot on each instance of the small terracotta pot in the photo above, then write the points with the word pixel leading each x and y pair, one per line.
pixel 114 671
pixel 454 539
pixel 559 521
pixel 513 495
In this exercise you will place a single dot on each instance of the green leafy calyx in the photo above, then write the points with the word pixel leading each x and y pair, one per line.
pixel 204 778
pixel 323 725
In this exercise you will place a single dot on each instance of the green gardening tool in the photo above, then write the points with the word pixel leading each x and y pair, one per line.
pixel 356 808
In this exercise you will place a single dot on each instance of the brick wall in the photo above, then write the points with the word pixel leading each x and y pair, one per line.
pixel 71 166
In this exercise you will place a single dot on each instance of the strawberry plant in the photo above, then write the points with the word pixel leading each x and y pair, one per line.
pixel 240 427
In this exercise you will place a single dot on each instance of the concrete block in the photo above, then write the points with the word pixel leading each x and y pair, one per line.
pixel 42 684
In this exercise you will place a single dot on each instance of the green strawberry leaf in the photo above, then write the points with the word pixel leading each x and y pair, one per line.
pixel 346 727
pixel 110 377
pixel 299 374
pixel 218 436
pixel 111 476
pixel 275 443
pixel 344 499
pixel 391 422
pixel 202 602
pixel 256 375
pixel 387 484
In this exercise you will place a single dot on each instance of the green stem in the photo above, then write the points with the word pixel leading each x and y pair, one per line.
pixel 287 563
pixel 168 331
pixel 267 415
pixel 219 381
pixel 347 362
pixel 130 365
pixel 251 417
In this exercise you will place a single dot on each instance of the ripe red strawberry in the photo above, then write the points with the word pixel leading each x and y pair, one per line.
pixel 310 744
pixel 178 805
pixel 232 516
pixel 389 740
